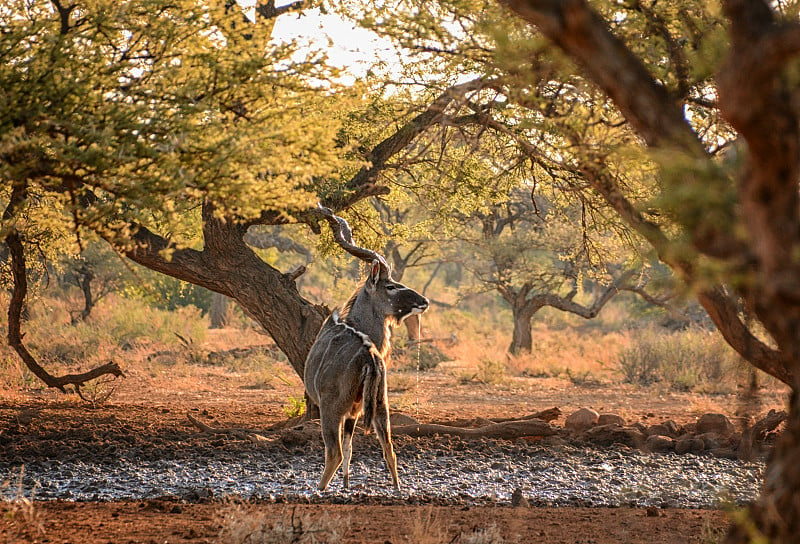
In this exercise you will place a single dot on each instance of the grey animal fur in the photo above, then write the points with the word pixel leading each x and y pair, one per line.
pixel 345 372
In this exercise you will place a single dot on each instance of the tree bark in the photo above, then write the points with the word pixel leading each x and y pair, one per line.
pixel 219 312
pixel 226 265
pixel 521 337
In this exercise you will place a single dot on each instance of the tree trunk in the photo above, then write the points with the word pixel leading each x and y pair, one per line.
pixel 17 302
pixel 521 340
pixel 85 277
pixel 228 266
pixel 413 324
pixel 219 312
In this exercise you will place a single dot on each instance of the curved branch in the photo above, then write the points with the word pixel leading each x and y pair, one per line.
pixel 725 315
pixel 381 153
pixel 268 10
pixel 566 304
pixel 17 301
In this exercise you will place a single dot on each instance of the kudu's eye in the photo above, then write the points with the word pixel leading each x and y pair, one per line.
pixel 391 287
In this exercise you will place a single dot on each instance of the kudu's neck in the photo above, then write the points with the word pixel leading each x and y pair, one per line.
pixel 363 315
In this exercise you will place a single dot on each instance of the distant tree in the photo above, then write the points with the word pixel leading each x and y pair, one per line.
pixel 535 255
pixel 97 272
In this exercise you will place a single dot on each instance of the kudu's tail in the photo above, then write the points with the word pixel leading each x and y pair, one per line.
pixel 374 387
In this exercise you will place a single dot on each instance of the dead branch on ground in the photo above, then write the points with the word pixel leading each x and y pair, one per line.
pixel 236 432
pixel 507 430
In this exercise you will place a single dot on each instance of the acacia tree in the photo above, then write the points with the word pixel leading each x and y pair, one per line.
pixel 96 273
pixel 534 255
pixel 744 218
pixel 171 128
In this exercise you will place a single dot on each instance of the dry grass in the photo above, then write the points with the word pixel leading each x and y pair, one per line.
pixel 241 525
pixel 20 511
pixel 427 528
pixel 175 351
pixel 489 535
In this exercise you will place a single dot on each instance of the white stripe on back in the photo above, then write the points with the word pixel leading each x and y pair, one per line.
pixel 364 338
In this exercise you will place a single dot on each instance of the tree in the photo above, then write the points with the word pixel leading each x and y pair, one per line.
pixel 171 128
pixel 94 272
pixel 534 255
pixel 745 216
pixel 128 114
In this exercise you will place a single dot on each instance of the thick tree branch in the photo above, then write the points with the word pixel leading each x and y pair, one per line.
pixel 725 315
pixel 718 305
pixel 400 139
pixel 566 304
pixel 759 103
pixel 584 35
pixel 268 10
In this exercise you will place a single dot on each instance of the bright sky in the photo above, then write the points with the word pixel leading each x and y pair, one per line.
pixel 347 45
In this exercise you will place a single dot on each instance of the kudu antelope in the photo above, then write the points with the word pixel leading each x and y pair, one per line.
pixel 345 373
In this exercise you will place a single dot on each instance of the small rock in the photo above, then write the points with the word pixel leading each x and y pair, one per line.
pixel 614 434
pixel 659 444
pixel 402 419
pixel 715 423
pixel 724 453
pixel 518 499
pixel 581 420
pixel 652 512
pixel 711 440
pixel 689 444
pixel 610 419
pixel 672 427
pixel 663 429
pixel 639 426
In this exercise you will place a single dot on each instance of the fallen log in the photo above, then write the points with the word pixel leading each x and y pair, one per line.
pixel 507 430
pixel 551 414
pixel 757 432
pixel 548 415
pixel 528 426
pixel 243 434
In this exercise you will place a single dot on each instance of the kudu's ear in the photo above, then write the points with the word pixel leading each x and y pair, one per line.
pixel 374 273
pixel 377 271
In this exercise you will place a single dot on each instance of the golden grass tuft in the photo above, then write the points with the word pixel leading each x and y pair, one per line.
pixel 242 525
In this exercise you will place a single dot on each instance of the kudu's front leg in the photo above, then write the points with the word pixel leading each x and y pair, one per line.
pixel 384 433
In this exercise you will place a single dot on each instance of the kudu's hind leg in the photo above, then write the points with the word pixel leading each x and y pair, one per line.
pixel 347 445
pixel 384 433
pixel 332 437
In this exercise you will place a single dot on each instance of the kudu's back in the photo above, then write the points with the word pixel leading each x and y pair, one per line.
pixel 345 372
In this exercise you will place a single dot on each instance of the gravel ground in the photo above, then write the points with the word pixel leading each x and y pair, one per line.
pixel 440 471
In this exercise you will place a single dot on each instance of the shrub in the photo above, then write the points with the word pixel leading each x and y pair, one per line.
pixel 685 360
pixel 295 407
